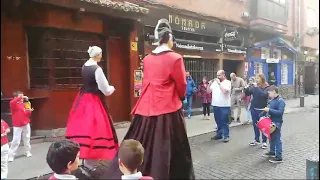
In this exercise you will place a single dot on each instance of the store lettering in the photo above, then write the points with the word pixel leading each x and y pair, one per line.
pixel 186 24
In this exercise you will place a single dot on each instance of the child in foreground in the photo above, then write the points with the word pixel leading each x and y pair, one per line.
pixel 275 110
pixel 4 149
pixel 131 155
pixel 63 158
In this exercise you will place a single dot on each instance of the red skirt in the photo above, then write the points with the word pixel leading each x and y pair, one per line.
pixel 91 126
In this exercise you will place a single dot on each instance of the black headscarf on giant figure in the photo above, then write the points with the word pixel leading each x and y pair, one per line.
pixel 162 29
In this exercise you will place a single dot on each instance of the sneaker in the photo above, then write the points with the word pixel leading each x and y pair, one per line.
pixel 216 137
pixel 189 116
pixel 269 154
pixel 204 117
pixel 264 145
pixel 254 143
pixel 208 117
pixel 225 140
pixel 276 160
pixel 28 154
pixel 10 158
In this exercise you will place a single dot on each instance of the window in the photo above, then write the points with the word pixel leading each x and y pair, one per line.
pixel 276 53
pixel 199 68
pixel 56 56
pixel 282 1
pixel 284 74
pixel 258 68
pixel 265 53
pixel 311 18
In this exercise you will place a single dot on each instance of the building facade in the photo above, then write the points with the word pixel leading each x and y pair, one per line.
pixel 44 45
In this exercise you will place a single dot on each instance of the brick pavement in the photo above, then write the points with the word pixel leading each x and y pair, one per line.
pixel 238 160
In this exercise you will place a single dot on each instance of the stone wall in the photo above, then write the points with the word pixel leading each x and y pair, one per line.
pixel 287 91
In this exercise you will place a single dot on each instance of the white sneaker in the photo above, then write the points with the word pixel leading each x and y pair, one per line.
pixel 264 146
pixel 28 154
pixel 10 158
pixel 254 143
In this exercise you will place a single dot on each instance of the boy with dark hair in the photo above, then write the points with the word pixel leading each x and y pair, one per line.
pixel 131 154
pixel 4 149
pixel 21 124
pixel 275 111
pixel 63 158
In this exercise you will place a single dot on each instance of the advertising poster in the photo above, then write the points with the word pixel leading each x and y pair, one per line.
pixel 138 75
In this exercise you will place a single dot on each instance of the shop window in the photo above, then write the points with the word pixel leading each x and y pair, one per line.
pixel 276 53
pixel 311 18
pixel 284 73
pixel 265 53
pixel 199 68
pixel 56 56
pixel 258 68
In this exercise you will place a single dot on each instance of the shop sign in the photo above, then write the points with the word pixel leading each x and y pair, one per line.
pixel 236 51
pixel 195 46
pixel 230 36
pixel 272 60
pixel 310 59
pixel 246 68
pixel 184 23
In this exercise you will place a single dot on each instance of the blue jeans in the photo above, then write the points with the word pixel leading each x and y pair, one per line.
pixel 249 113
pixel 221 116
pixel 275 142
pixel 255 114
pixel 189 104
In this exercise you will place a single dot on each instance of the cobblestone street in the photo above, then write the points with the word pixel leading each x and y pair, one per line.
pixel 238 160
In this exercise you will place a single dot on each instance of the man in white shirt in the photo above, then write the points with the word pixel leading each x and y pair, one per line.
pixel 221 102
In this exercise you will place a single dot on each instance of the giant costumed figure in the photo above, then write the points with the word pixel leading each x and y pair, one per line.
pixel 158 119
pixel 89 122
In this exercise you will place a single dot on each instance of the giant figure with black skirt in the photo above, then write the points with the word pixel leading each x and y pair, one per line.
pixel 158 120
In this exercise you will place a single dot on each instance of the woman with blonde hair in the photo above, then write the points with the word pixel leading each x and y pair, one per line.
pixel 259 92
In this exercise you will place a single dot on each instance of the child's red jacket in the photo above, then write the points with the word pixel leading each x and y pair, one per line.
pixel 20 116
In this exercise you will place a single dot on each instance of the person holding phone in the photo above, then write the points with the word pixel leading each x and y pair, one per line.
pixel 259 92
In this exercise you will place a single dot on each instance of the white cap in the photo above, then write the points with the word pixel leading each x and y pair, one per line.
pixel 94 51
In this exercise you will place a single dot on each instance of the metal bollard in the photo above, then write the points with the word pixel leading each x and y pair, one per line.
pixel 301 101
pixel 312 168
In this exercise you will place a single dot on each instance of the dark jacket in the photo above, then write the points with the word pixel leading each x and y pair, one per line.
pixel 190 86
pixel 259 96
pixel 277 106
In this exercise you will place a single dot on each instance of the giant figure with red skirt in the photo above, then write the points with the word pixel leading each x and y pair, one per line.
pixel 158 119
pixel 89 122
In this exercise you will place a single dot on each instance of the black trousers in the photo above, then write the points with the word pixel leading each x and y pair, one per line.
pixel 206 108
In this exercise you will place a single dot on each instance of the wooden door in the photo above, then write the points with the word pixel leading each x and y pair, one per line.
pixel 118 74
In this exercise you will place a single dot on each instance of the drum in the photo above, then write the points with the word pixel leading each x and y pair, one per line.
pixel 266 126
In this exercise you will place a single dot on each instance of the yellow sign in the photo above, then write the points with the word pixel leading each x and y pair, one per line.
pixel 134 46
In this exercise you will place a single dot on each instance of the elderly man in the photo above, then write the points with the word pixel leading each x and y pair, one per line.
pixel 237 86
pixel 221 88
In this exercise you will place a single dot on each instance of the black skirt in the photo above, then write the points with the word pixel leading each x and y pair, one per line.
pixel 167 150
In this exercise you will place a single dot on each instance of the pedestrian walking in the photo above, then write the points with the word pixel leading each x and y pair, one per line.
pixel 158 121
pixel 21 125
pixel 206 97
pixel 89 122
pixel 4 149
pixel 221 89
pixel 275 111
pixel 237 86
pixel 259 93
pixel 191 90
